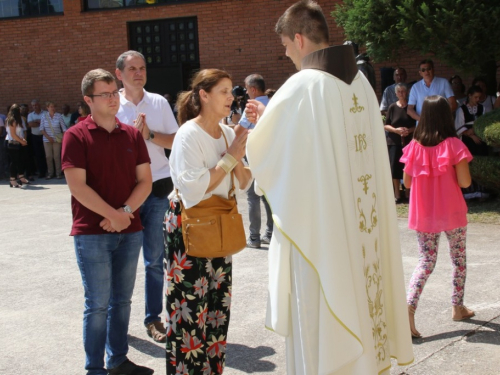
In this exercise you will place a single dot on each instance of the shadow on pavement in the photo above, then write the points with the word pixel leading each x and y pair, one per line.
pixel 441 336
pixel 249 360
pixel 147 347
pixel 491 336
pixel 34 187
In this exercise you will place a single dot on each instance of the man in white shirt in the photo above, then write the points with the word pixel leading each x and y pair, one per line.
pixel 152 115
pixel 34 119
pixel 389 95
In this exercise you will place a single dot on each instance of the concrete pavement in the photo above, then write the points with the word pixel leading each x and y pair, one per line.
pixel 41 300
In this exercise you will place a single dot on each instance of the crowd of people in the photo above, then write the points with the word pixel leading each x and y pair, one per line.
pixel 30 142
pixel 336 287
pixel 401 105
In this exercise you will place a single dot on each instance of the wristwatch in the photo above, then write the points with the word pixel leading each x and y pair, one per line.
pixel 127 208
pixel 151 135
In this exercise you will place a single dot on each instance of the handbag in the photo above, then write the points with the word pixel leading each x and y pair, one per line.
pixel 13 145
pixel 213 228
pixel 57 137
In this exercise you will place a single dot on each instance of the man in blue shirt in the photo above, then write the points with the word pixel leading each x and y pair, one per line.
pixel 256 87
pixel 427 86
pixel 389 95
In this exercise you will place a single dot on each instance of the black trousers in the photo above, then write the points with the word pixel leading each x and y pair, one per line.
pixel 41 164
pixel 30 163
pixel 18 158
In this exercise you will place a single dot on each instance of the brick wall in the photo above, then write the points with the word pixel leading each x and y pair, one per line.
pixel 46 57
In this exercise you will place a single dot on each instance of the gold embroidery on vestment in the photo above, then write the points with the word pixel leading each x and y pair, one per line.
pixel 373 216
pixel 374 293
pixel 364 179
pixel 357 108
pixel 360 141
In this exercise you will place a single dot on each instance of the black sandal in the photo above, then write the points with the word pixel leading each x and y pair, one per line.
pixel 23 180
pixel 13 183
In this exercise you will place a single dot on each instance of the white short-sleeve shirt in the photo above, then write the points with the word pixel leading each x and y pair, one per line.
pixel 32 116
pixel 194 153
pixel 419 91
pixel 159 118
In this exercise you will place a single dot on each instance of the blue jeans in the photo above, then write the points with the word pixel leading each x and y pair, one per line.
pixel 152 214
pixel 108 265
pixel 254 214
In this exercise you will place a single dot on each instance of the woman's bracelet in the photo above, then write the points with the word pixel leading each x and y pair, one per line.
pixel 227 163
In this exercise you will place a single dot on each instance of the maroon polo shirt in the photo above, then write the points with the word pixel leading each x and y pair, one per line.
pixel 110 160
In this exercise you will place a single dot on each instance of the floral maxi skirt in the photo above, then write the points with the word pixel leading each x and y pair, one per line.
pixel 198 301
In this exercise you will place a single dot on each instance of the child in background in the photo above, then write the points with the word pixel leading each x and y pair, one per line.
pixel 436 167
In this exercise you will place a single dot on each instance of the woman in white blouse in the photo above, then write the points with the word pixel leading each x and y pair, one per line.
pixel 52 127
pixel 17 146
pixel 198 293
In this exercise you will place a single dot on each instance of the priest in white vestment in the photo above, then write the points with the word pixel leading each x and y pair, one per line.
pixel 318 153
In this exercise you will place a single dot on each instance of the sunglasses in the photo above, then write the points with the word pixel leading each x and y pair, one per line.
pixel 423 70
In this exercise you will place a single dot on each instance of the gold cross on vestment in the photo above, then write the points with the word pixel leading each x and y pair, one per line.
pixel 356 108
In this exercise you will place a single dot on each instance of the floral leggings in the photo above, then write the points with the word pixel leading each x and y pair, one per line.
pixel 428 246
pixel 198 300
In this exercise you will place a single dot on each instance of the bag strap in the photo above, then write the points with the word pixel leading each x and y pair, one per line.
pixel 231 191
pixel 50 124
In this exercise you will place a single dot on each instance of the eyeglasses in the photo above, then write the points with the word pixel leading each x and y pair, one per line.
pixel 106 95
pixel 423 70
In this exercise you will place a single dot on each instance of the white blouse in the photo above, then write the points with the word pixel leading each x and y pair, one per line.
pixel 194 153
pixel 19 131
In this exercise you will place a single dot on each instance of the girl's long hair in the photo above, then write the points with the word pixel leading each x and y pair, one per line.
pixel 188 102
pixel 436 123
pixel 14 115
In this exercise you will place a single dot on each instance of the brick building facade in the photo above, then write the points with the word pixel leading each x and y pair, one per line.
pixel 46 57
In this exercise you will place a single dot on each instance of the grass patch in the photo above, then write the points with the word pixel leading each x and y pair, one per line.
pixel 487 212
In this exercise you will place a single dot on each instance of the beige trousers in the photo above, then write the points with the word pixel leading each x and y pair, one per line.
pixel 53 156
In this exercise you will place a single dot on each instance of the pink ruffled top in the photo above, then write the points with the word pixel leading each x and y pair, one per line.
pixel 436 200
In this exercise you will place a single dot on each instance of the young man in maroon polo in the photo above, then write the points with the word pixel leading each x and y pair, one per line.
pixel 106 165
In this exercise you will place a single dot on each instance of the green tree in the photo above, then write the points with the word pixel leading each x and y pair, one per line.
pixel 464 34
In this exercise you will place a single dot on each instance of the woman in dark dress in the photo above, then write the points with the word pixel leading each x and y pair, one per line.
pixel 399 127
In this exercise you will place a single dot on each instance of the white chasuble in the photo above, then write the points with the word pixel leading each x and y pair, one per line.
pixel 336 285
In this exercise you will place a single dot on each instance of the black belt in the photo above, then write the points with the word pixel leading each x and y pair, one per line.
pixel 162 187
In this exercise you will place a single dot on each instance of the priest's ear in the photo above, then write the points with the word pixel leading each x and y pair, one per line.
pixel 298 40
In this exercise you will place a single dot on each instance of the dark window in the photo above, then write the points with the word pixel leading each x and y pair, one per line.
pixel 170 47
pixel 29 8
pixel 165 42
pixel 103 4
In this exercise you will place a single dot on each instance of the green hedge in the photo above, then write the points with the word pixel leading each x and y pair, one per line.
pixel 487 127
pixel 485 170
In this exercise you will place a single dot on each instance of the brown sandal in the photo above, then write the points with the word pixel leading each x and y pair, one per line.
pixel 411 314
pixel 157 331
pixel 461 313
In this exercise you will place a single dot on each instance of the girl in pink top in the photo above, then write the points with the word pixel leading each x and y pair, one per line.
pixel 436 167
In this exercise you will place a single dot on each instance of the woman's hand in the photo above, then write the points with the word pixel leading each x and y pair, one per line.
pixel 23 142
pixel 51 140
pixel 237 148
pixel 469 132
pixel 476 139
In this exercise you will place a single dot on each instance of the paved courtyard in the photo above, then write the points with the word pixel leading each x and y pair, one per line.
pixel 41 300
